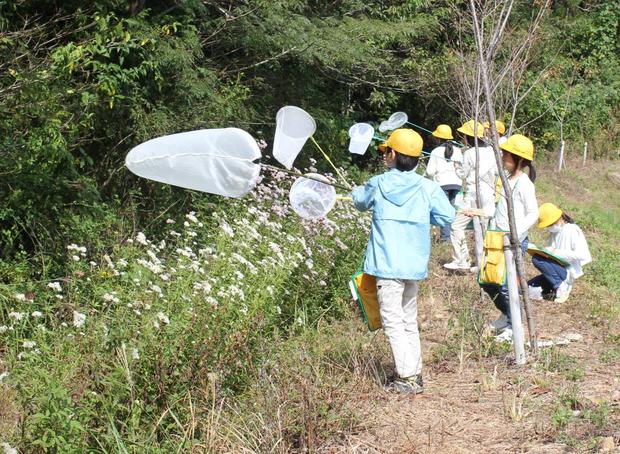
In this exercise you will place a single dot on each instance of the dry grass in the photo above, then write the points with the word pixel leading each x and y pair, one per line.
pixel 9 413
pixel 322 391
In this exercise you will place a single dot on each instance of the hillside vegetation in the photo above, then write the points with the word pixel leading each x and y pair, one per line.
pixel 139 317
pixel 220 335
pixel 80 85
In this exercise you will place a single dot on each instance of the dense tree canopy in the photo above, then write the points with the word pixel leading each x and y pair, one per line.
pixel 80 85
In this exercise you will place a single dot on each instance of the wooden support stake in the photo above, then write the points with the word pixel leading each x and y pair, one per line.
pixel 515 304
pixel 478 240
pixel 585 153
pixel 479 247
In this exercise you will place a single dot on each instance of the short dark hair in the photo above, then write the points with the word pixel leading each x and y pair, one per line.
pixel 405 163
pixel 567 218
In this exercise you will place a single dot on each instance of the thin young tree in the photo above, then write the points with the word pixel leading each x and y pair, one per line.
pixel 489 23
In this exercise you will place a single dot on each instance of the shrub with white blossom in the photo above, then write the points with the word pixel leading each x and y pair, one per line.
pixel 130 332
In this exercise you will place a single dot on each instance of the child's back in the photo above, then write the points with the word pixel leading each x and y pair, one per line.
pixel 404 205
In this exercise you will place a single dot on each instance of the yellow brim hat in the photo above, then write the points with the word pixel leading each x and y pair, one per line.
pixel 548 214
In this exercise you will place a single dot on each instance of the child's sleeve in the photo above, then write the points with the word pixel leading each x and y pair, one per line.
pixel 431 168
pixel 442 212
pixel 578 252
pixel 364 196
pixel 528 198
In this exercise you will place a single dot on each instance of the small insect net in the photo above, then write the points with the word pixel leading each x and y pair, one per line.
pixel 312 199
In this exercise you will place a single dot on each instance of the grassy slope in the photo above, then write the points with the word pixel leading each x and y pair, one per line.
pixel 320 390
pixel 128 349
pixel 324 392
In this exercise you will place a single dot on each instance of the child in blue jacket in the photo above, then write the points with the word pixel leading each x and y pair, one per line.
pixel 404 206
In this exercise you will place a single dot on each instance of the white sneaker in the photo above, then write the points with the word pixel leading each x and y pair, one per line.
pixel 499 324
pixel 562 293
pixel 535 293
pixel 456 266
pixel 504 336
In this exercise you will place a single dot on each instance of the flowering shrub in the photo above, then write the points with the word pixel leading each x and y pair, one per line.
pixel 106 354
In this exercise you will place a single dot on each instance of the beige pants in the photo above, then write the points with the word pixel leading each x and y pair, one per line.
pixel 399 316
pixel 460 251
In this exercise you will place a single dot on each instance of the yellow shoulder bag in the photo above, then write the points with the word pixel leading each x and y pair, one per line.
pixel 364 290
pixel 493 269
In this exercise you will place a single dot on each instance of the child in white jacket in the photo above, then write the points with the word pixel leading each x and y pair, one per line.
pixel 487 174
pixel 518 154
pixel 566 241
pixel 441 168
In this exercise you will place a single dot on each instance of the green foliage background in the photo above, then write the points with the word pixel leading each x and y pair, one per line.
pixel 80 85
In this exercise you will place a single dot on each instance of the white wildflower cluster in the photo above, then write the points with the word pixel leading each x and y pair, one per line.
pixel 109 262
pixel 29 344
pixel 163 318
pixel 8 449
pixel 240 262
pixel 55 286
pixel 75 248
pixel 17 316
pixel 141 239
pixel 78 319
pixel 227 229
pixel 340 244
pixel 186 252
pixel 151 266
pixel 202 286
pixel 78 251
pixel 236 292
pixel 111 297
pixel 239 258
pixel 192 217
pixel 206 252
pixel 154 288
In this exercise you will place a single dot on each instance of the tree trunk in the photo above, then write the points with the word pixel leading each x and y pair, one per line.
pixel 136 7
pixel 514 240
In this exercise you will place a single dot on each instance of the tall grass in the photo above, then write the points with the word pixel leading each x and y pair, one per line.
pixel 132 346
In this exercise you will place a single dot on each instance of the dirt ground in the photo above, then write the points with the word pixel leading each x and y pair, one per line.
pixel 567 400
pixel 491 406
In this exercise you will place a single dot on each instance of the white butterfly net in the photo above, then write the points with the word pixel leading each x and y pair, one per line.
pixel 217 161
pixel 312 199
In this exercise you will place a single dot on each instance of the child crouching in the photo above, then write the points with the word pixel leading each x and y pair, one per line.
pixel 567 242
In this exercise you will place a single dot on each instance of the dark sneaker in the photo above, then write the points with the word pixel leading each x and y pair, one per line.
pixel 407 385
